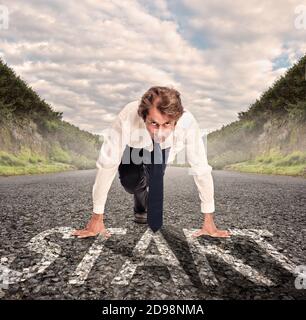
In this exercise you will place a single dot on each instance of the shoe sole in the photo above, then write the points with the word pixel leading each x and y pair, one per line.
pixel 142 220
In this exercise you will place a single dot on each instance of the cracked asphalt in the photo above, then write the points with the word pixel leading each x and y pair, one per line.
pixel 39 260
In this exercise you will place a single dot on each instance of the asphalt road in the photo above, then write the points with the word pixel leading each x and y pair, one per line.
pixel 264 259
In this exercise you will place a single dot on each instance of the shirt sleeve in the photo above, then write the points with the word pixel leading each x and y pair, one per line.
pixel 199 167
pixel 108 162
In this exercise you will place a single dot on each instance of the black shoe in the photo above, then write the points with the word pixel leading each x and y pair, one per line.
pixel 140 217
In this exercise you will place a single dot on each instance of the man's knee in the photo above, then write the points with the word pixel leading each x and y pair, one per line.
pixel 132 181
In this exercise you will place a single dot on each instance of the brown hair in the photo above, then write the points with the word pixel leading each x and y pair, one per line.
pixel 166 100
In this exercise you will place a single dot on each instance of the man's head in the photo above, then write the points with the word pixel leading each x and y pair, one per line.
pixel 160 108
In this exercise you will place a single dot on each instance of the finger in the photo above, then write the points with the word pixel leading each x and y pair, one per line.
pixel 221 234
pixel 197 233
pixel 217 234
pixel 81 232
pixel 105 233
pixel 77 232
pixel 87 234
pixel 225 234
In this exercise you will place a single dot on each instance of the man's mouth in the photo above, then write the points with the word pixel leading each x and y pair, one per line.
pixel 159 139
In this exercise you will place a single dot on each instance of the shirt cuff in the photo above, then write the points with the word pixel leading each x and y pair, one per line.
pixel 98 209
pixel 207 207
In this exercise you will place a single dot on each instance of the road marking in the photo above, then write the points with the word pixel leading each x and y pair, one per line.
pixel 50 251
pixel 235 263
pixel 81 273
pixel 166 258
pixel 257 237
pixel 204 269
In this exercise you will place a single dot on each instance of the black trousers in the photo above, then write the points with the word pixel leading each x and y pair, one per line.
pixel 134 175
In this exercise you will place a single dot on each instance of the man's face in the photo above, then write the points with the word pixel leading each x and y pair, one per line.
pixel 159 125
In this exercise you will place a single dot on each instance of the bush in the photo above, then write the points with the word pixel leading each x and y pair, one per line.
pixel 51 125
pixel 294 158
pixel 297 111
pixel 27 155
pixel 249 125
pixel 269 157
pixel 7 159
pixel 60 155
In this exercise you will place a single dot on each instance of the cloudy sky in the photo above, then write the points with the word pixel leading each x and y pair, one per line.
pixel 89 58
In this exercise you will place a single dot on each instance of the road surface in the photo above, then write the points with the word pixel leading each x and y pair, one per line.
pixel 264 259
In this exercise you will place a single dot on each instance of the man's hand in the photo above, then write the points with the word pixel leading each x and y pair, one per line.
pixel 94 227
pixel 209 228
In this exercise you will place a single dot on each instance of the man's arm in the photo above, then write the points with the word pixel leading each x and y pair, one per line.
pixel 202 174
pixel 200 169
pixel 108 162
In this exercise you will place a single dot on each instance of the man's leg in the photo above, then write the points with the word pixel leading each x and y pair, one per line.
pixel 134 181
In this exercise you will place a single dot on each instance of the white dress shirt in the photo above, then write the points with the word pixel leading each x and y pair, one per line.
pixel 128 128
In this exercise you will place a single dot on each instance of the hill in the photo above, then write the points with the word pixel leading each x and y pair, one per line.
pixel 33 137
pixel 270 137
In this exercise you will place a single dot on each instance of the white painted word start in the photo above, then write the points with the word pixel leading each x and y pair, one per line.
pixel 50 251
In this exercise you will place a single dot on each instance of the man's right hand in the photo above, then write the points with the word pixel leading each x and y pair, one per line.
pixel 94 227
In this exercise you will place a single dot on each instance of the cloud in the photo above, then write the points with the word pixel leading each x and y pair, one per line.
pixel 90 58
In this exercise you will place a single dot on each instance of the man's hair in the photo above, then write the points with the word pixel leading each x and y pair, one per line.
pixel 166 100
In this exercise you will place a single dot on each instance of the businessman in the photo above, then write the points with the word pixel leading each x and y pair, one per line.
pixel 145 136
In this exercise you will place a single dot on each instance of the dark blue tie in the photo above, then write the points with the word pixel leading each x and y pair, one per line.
pixel 156 188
